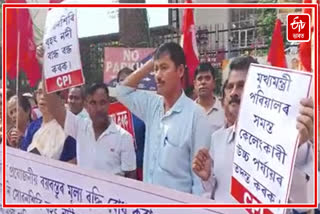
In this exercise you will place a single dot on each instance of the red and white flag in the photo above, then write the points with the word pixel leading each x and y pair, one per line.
pixel 189 42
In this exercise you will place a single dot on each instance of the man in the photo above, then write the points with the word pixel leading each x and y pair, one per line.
pixel 229 116
pixel 101 144
pixel 176 127
pixel 76 99
pixel 204 84
pixel 138 125
pixel 222 141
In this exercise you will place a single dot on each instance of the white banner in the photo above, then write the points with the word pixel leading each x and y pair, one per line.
pixel 62 63
pixel 34 179
pixel 266 136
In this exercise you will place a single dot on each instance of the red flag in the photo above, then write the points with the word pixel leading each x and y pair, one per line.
pixel 12 38
pixel 20 33
pixel 305 47
pixel 276 55
pixel 189 43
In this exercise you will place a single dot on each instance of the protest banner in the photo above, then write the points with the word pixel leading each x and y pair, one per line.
pixel 32 179
pixel 121 116
pixel 266 136
pixel 62 63
pixel 117 58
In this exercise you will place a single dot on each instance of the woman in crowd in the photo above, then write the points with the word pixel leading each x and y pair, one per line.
pixel 46 137
pixel 21 118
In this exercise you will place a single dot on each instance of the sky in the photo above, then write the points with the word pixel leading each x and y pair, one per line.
pixel 99 21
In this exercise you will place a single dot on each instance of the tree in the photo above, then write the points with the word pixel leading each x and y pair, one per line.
pixel 266 20
pixel 133 26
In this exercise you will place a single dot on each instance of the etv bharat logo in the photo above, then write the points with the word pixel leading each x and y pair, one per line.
pixel 300 25
pixel 298 28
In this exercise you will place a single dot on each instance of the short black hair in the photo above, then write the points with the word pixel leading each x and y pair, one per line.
pixel 174 51
pixel 189 91
pixel 205 67
pixel 125 70
pixel 95 86
pixel 242 63
pixel 24 103
pixel 82 91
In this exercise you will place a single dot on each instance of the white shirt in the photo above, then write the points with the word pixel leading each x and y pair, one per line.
pixel 113 151
pixel 215 115
pixel 49 140
pixel 222 152
pixel 84 114
pixel 172 138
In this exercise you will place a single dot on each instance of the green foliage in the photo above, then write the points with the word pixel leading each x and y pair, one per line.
pixel 266 19
pixel 219 83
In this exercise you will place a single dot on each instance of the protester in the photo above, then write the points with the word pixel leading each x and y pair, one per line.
pixel 205 84
pixel 101 144
pixel 24 113
pixel 138 125
pixel 35 112
pixel 76 101
pixel 176 127
pixel 46 137
pixel 10 124
pixel 12 108
pixel 229 116
pixel 223 141
pixel 12 133
pixel 22 116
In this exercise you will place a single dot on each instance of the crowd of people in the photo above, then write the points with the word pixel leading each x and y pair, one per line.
pixel 183 143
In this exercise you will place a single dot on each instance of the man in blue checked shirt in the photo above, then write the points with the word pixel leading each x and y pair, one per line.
pixel 176 127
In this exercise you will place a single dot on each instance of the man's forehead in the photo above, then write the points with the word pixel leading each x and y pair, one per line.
pixel 163 59
pixel 75 91
pixel 237 75
pixel 98 94
pixel 204 73
pixel 96 98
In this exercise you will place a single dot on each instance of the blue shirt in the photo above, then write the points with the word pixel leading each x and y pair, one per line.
pixel 139 134
pixel 69 148
pixel 172 138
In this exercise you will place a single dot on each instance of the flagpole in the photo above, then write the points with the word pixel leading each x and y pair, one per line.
pixel 17 65
pixel 17 79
